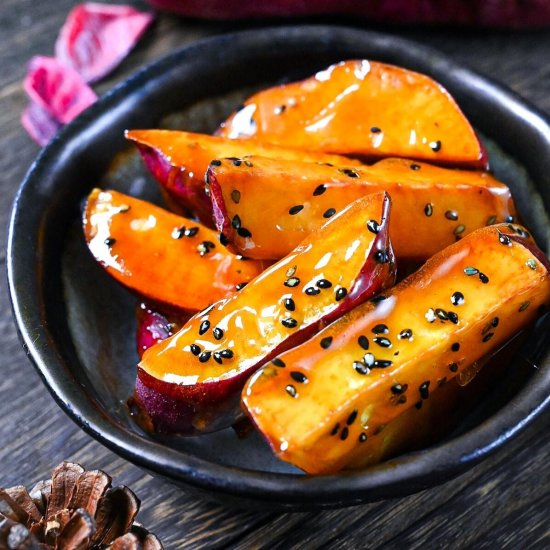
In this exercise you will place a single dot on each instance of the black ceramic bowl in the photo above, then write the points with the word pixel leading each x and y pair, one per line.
pixel 78 326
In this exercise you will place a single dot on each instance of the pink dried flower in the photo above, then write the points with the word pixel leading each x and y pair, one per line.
pixel 96 37
pixel 57 89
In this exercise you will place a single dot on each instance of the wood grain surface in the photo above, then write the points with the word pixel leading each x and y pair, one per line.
pixel 502 503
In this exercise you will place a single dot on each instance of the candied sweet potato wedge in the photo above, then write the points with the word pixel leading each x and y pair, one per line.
pixel 178 161
pixel 318 403
pixel 191 382
pixel 168 259
pixel 280 201
pixel 362 108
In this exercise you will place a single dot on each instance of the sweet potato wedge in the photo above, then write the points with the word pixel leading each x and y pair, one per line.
pixel 168 259
pixel 362 108
pixel 280 201
pixel 178 161
pixel 191 382
pixel 318 403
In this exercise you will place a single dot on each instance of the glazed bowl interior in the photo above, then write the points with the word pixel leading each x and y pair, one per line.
pixel 79 325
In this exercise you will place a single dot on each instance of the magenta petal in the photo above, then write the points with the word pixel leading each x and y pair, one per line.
pixel 57 89
pixel 40 125
pixel 96 37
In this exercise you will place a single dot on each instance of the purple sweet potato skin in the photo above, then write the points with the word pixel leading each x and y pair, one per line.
pixel 480 13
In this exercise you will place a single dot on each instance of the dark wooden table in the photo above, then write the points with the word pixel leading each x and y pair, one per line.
pixel 504 502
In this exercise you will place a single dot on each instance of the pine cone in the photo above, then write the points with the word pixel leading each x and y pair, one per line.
pixel 75 510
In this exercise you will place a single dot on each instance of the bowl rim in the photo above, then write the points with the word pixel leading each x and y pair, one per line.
pixel 396 477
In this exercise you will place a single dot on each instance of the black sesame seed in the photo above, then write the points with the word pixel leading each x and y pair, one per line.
pixel 509 219
pixel 243 232
pixel 217 357
pixel 488 336
pixel 531 263
pixel 280 109
pixel 178 232
pixel 278 362
pixel 240 286
pixel 226 354
pixel 216 162
pixel 205 325
pixel 441 314
pixel 418 405
pixel 457 299
pixel 223 239
pixel 195 350
pixel 380 329
pixel 523 306
pixel 368 359
pixel 351 418
pixel 291 390
pixel 382 364
pixel 402 400
pixel 236 196
pixel 435 146
pixel 495 322
pixel 504 239
pixel 319 190
pixel 455 346
pixel 363 342
pixel 192 231
pixel 341 293
pixel 378 299
pixel 453 317
pixel 483 278
pixel 360 367
pixel 289 322
pixel 375 130
pixel 204 356
pixel 323 283
pixel 109 241
pixel 312 291
pixel 236 161
pixel 291 271
pixel 329 213
pixel 415 167
pixel 459 229
pixel 373 226
pixel 398 389
pixel 344 433
pixel 471 271
pixel 405 334
pixel 299 377
pixel 292 282
pixel 326 342
pixel 451 215
pixel 453 367
pixel 348 172
pixel 236 222
pixel 382 342
pixel 289 304
pixel 429 209
pixel 295 209
pixel 362 437
pixel 424 390
pixel 381 257
pixel 218 333
pixel 335 429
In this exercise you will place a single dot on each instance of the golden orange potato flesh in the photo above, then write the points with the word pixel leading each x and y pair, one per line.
pixel 362 107
pixel 371 365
